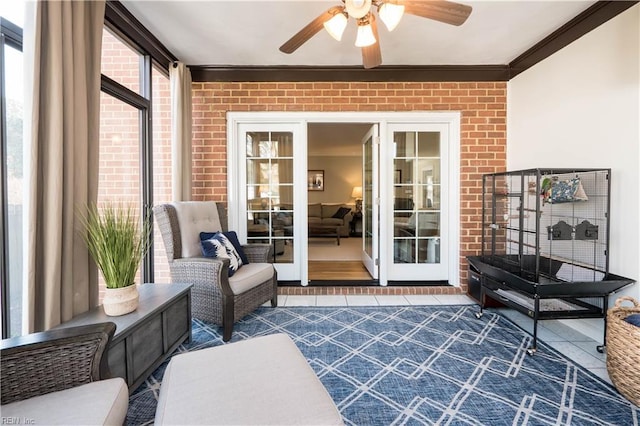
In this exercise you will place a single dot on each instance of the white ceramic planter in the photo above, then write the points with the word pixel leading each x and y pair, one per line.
pixel 120 301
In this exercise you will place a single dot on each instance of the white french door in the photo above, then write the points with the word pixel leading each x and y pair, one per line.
pixel 411 175
pixel 267 192
pixel 370 201
pixel 418 198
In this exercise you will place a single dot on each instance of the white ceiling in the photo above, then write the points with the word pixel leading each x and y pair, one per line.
pixel 249 33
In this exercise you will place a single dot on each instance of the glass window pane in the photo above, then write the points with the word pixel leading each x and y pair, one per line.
pixel 282 144
pixel 428 171
pixel 258 144
pixel 428 144
pixel 285 197
pixel 161 101
pixel 15 178
pixel 402 171
pixel 282 171
pixel 120 62
pixel 119 163
pixel 405 144
pixel 428 224
pixel 428 250
pixel 257 171
pixel 404 250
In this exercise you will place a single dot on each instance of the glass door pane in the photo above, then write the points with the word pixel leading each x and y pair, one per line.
pixel 416 200
pixel 369 205
pixel 269 191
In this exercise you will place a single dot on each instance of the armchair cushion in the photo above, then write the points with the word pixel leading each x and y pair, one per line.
pixel 194 217
pixel 250 276
pixel 219 246
pixel 231 236
pixel 104 402
pixel 60 376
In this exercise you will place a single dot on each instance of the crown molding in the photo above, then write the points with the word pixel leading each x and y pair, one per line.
pixel 126 25
pixel 591 18
pixel 381 73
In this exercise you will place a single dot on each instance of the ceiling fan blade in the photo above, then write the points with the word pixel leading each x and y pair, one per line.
pixel 371 55
pixel 439 10
pixel 312 28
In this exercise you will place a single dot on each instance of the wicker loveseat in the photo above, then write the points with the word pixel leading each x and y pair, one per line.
pixel 216 297
pixel 60 376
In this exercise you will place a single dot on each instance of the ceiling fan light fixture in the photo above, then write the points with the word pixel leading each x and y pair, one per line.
pixel 391 14
pixel 365 35
pixel 336 25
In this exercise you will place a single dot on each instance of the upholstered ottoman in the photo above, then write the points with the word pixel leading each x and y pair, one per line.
pixel 264 380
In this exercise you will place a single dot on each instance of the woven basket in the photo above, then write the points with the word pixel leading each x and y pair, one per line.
pixel 623 349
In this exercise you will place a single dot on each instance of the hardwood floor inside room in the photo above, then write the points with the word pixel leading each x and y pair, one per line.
pixel 328 270
pixel 329 261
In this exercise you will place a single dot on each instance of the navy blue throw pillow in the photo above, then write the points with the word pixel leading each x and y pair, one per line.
pixel 341 213
pixel 633 319
pixel 231 236
pixel 220 247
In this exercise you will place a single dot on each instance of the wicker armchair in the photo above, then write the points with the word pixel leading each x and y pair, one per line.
pixel 216 297
pixel 45 374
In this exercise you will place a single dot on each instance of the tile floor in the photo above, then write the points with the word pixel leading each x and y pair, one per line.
pixel 561 337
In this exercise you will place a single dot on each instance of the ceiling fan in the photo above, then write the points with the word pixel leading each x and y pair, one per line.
pixel 390 12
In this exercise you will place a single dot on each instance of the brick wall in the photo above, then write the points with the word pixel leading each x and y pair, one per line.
pixel 483 128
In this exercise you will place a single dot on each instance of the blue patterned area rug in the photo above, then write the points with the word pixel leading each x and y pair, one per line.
pixel 396 365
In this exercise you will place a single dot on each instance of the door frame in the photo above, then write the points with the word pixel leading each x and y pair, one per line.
pixel 300 118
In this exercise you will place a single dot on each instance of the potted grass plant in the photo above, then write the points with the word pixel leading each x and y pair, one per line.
pixel 117 240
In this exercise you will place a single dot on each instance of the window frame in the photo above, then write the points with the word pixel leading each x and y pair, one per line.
pixel 10 35
pixel 128 29
pixel 123 25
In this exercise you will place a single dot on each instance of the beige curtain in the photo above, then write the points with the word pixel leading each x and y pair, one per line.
pixel 180 77
pixel 62 49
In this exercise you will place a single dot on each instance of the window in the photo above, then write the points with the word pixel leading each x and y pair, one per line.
pixel 130 84
pixel 122 115
pixel 120 63
pixel 132 144
pixel 11 90
pixel 144 86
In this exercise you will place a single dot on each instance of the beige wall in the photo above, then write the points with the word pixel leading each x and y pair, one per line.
pixel 341 174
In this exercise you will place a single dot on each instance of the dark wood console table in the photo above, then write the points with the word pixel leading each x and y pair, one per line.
pixel 147 336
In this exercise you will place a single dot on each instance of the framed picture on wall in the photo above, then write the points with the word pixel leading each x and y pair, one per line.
pixel 315 180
